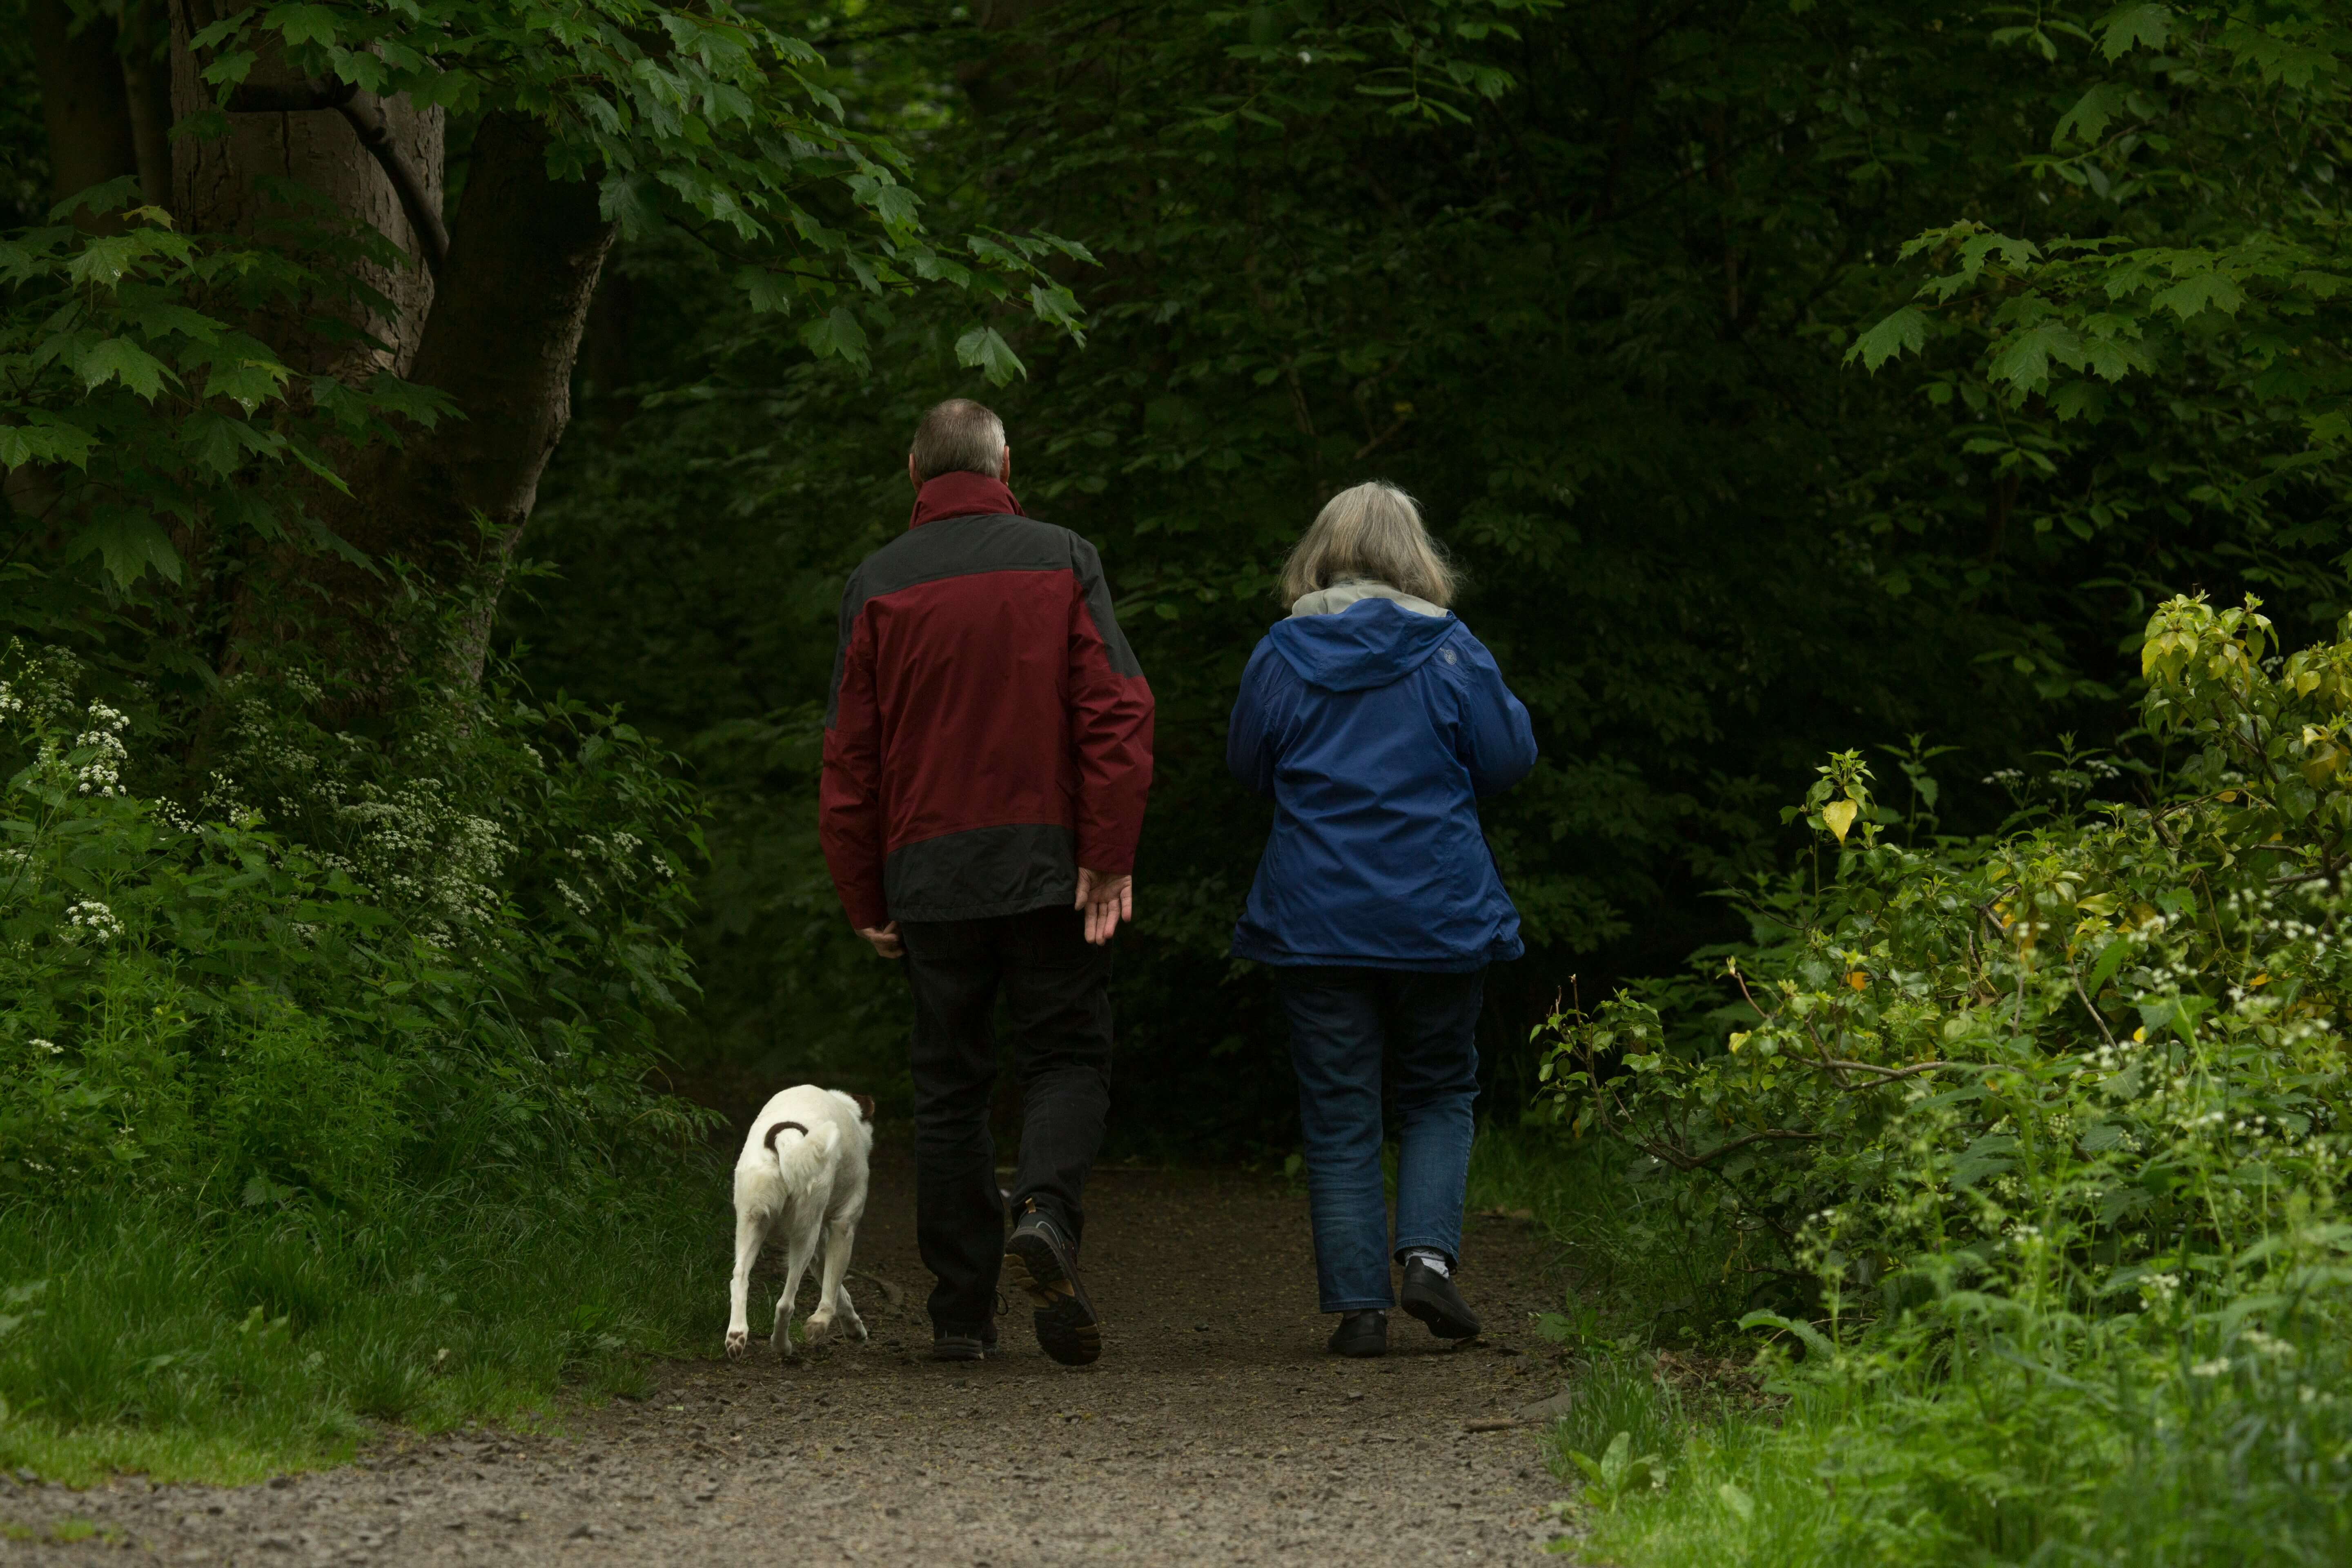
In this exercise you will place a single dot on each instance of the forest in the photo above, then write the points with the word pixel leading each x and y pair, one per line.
pixel 1900 454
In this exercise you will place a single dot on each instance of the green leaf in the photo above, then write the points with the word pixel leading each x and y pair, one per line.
pixel 983 347
pixel 2130 25
pixel 129 542
pixel 836 333
pixel 2206 291
pixel 2104 968
pixel 770 293
pixel 247 383
pixel 1907 329
pixel 120 359
pixel 2024 359
pixel 304 24
pixel 47 441
pixel 2088 119
pixel 1815 1342
pixel 104 260
pixel 112 196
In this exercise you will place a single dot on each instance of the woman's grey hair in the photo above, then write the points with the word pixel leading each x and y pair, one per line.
pixel 959 437
pixel 1372 530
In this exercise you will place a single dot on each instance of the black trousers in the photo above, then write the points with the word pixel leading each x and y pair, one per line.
pixel 1057 992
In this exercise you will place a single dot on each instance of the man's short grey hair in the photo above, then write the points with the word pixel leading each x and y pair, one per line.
pixel 1371 532
pixel 959 437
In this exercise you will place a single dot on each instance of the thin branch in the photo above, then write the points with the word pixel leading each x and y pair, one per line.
pixel 1890 1075
pixel 2095 1018
pixel 1369 447
pixel 1683 1161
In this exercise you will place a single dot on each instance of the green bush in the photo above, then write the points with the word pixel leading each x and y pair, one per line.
pixel 2039 1138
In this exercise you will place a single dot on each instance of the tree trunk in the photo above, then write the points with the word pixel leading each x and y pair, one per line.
pixel 148 84
pixel 524 256
pixel 498 333
pixel 216 189
pixel 83 102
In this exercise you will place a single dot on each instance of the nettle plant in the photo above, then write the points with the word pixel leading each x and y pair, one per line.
pixel 2091 1065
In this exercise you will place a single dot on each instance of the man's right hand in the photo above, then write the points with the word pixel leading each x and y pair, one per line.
pixel 885 940
pixel 1107 900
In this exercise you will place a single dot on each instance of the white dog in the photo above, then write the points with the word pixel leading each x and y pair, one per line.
pixel 803 1168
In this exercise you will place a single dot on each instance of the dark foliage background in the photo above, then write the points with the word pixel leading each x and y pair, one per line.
pixel 1584 279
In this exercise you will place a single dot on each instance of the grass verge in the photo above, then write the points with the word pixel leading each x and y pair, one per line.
pixel 223 1347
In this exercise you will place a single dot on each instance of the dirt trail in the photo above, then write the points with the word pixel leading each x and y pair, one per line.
pixel 1215 1429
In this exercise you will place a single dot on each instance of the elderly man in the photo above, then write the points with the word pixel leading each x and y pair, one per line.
pixel 987 752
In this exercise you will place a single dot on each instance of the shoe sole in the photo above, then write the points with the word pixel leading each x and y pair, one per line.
pixel 1443 1326
pixel 1067 1329
pixel 958 1352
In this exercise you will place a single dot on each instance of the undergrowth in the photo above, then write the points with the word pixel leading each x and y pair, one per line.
pixel 2026 1153
pixel 327 1056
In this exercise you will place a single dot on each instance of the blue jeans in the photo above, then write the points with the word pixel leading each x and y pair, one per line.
pixel 1339 1020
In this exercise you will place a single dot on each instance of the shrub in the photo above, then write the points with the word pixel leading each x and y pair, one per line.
pixel 438 952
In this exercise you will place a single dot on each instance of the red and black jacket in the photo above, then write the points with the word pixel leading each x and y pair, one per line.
pixel 989 729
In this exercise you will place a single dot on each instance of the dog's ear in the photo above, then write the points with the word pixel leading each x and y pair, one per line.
pixel 865 1106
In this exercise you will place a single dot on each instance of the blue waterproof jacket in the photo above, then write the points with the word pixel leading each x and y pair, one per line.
pixel 1375 729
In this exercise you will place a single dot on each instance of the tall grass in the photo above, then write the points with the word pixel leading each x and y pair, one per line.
pixel 226 1346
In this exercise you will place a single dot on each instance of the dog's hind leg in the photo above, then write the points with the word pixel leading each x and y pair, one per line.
pixel 798 1250
pixel 839 1237
pixel 751 1231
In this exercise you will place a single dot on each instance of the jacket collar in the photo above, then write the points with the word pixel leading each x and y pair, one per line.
pixel 1348 591
pixel 963 495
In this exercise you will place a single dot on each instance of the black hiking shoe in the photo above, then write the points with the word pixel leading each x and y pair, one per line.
pixel 956 1345
pixel 1040 1263
pixel 1431 1297
pixel 1360 1333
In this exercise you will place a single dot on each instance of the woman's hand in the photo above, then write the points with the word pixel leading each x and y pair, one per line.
pixel 885 939
pixel 1107 901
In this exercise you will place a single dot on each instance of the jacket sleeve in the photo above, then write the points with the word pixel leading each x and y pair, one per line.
pixel 1110 724
pixel 1249 734
pixel 849 795
pixel 1498 743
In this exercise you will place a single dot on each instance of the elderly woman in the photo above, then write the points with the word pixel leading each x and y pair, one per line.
pixel 1376 720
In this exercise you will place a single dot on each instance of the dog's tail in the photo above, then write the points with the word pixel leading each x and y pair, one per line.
pixel 802 1155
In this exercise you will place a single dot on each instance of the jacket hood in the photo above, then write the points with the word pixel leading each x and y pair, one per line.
pixel 1374 641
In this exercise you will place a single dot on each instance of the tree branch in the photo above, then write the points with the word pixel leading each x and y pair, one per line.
pixel 363 112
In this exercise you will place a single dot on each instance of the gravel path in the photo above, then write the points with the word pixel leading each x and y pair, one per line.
pixel 1215 1429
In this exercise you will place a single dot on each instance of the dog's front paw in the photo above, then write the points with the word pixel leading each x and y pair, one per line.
pixel 817 1330
pixel 738 1342
pixel 783 1345
pixel 857 1330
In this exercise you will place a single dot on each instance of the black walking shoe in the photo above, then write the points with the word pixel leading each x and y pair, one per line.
pixel 1360 1333
pixel 951 1346
pixel 1431 1297
pixel 1040 1262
